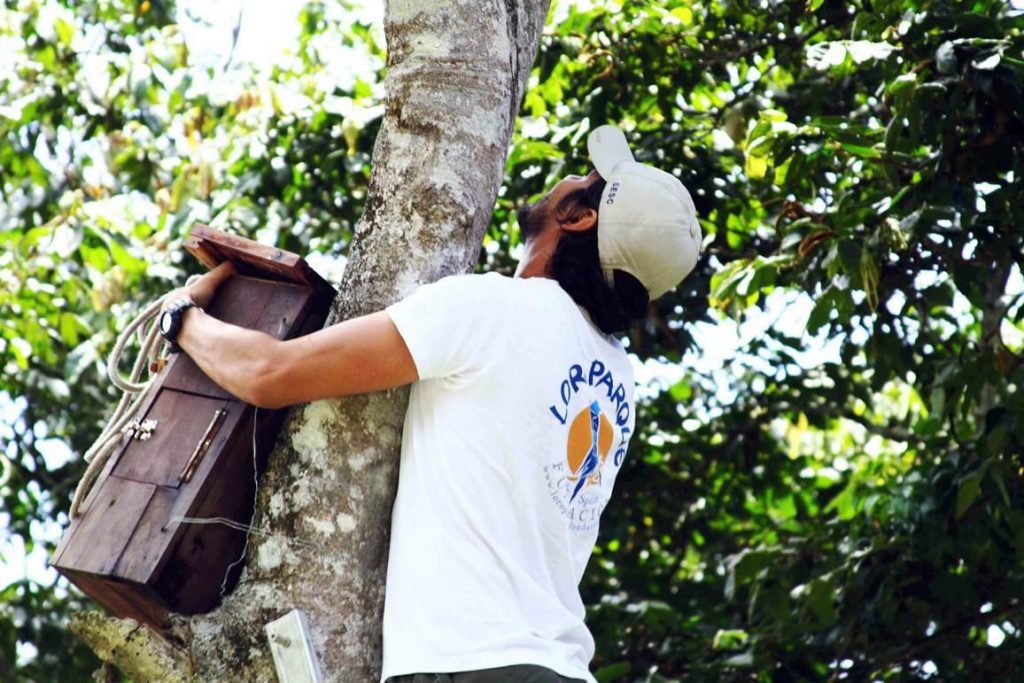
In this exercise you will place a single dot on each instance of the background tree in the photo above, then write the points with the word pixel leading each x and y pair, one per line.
pixel 834 496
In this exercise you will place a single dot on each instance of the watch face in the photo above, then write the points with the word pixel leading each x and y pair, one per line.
pixel 166 321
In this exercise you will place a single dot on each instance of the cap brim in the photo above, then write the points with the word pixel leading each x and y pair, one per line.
pixel 608 148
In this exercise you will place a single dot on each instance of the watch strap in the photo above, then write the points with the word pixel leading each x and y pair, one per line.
pixel 175 311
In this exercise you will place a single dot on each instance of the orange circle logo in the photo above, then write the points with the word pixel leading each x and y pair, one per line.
pixel 590 440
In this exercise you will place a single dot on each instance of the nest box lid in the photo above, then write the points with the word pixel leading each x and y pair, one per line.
pixel 212 247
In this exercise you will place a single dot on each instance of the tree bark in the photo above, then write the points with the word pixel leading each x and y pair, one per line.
pixel 456 74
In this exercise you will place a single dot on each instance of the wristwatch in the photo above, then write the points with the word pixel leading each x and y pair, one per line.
pixel 170 321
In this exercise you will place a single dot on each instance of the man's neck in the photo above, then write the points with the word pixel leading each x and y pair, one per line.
pixel 536 255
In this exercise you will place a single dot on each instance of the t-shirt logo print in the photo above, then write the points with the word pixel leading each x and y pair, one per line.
pixel 593 413
pixel 590 440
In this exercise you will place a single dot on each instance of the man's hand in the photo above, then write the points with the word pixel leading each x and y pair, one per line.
pixel 201 290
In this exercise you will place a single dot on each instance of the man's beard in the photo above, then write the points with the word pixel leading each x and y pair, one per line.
pixel 531 220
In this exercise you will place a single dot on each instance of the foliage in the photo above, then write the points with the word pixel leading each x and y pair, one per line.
pixel 839 498
pixel 810 515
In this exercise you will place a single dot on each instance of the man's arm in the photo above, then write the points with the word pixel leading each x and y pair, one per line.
pixel 357 356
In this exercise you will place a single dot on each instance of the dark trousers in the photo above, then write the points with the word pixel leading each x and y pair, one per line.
pixel 518 673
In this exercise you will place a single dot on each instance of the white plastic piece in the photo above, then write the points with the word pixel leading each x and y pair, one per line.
pixel 290 644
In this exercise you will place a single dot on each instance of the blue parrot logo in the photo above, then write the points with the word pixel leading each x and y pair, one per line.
pixel 592 460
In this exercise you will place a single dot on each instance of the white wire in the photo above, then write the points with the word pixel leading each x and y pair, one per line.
pixel 255 494
pixel 315 550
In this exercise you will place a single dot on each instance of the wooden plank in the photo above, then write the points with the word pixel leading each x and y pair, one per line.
pixel 182 421
pixel 150 608
pixel 111 463
pixel 156 539
pixel 152 542
pixel 213 246
pixel 123 600
pixel 247 302
pixel 230 444
pixel 283 312
pixel 100 589
pixel 106 527
pixel 241 300
pixel 192 579
pixel 75 523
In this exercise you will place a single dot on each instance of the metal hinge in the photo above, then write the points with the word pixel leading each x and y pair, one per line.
pixel 204 445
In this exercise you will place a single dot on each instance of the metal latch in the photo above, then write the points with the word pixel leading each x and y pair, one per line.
pixel 140 429
pixel 204 445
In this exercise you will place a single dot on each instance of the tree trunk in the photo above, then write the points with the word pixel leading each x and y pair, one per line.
pixel 456 74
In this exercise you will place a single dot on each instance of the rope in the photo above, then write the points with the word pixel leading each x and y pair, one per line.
pixel 133 394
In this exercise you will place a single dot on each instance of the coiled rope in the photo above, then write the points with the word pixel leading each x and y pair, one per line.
pixel 133 393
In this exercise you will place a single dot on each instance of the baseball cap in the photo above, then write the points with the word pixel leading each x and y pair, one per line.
pixel 647 224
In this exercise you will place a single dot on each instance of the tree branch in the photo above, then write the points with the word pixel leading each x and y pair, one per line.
pixel 137 651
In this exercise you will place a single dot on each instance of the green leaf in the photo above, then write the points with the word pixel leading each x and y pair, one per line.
pixel 997 477
pixel 903 83
pixel 755 166
pixel 612 672
pixel 970 487
pixel 22 351
pixel 65 31
pixel 849 253
pixel 844 503
pixel 869 277
pixel 684 14
pixel 745 565
pixel 729 639
pixel 69 329
pixel 821 597
pixel 861 150
pixel 822 311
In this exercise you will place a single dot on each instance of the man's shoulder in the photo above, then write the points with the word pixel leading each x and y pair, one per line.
pixel 471 286
pixel 534 298
pixel 491 280
pixel 496 284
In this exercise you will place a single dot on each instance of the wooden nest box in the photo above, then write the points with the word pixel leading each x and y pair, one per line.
pixel 192 453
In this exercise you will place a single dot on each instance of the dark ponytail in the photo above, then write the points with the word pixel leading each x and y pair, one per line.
pixel 577 268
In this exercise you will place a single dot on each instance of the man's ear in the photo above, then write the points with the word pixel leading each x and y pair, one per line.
pixel 581 220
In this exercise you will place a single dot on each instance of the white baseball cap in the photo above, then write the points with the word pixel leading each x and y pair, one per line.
pixel 646 224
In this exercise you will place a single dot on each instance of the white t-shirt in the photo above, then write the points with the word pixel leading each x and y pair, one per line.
pixel 512 441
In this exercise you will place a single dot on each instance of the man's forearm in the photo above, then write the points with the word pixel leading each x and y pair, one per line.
pixel 357 356
pixel 234 357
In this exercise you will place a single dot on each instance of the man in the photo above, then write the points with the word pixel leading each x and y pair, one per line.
pixel 518 421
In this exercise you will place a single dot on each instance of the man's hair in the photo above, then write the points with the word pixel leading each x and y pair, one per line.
pixel 577 268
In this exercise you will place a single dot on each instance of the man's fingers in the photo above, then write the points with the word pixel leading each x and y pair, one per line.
pixel 202 290
pixel 221 273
